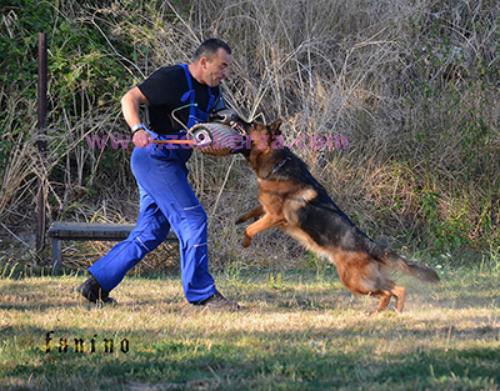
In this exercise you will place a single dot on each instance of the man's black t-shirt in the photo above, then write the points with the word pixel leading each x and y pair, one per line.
pixel 164 89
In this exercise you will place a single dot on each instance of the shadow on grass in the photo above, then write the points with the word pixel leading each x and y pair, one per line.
pixel 275 361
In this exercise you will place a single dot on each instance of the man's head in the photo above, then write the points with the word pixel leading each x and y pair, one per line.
pixel 212 62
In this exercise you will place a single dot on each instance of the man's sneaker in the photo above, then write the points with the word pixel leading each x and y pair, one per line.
pixel 93 292
pixel 218 301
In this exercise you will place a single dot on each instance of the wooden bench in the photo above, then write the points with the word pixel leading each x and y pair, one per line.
pixel 85 231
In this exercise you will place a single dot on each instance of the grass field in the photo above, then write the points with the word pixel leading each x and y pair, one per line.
pixel 300 330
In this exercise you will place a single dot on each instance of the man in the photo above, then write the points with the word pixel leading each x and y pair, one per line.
pixel 188 92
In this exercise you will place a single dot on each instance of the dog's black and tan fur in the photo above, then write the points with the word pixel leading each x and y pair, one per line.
pixel 291 199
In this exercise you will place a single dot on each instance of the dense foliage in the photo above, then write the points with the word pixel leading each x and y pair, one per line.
pixel 411 84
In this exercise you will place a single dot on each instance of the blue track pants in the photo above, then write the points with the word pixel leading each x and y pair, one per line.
pixel 166 199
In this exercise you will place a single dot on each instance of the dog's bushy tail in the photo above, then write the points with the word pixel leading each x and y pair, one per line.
pixel 423 273
pixel 396 261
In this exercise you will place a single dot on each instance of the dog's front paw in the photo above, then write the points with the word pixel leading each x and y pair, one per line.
pixel 240 220
pixel 247 241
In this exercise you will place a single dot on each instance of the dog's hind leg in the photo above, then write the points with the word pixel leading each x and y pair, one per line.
pixel 399 293
pixel 265 222
pixel 384 301
pixel 257 212
pixel 385 298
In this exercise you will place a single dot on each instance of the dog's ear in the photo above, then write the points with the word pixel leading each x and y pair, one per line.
pixel 274 128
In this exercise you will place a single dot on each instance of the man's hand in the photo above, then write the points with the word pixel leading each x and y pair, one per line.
pixel 141 138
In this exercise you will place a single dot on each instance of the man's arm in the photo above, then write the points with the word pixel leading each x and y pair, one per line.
pixel 130 109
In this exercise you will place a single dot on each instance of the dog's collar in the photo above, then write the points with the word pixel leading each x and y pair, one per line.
pixel 277 167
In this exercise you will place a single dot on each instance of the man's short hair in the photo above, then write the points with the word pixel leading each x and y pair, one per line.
pixel 209 47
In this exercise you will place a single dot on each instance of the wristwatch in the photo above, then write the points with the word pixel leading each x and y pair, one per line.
pixel 137 127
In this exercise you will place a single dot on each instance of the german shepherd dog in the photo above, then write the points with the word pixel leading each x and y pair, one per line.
pixel 292 200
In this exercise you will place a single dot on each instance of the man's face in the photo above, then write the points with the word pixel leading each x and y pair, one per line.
pixel 216 68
